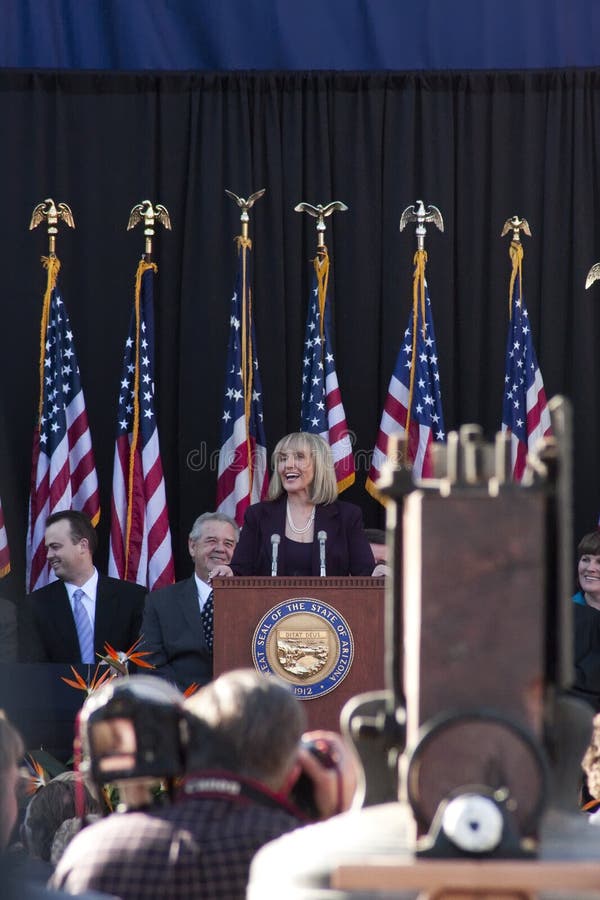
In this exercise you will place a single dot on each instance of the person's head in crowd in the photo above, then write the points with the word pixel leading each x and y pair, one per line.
pixel 377 542
pixel 49 807
pixel 65 833
pixel 303 462
pixel 71 542
pixel 256 725
pixel 132 734
pixel 588 567
pixel 211 542
pixel 11 753
pixel 256 732
pixel 591 761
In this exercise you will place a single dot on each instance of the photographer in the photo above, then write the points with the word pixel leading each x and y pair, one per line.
pixel 251 776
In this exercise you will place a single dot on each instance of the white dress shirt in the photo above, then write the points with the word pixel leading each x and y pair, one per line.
pixel 89 595
pixel 203 589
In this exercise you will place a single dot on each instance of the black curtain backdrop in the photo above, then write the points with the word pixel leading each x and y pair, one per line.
pixel 481 146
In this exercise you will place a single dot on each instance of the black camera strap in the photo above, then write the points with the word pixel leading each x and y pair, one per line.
pixel 234 788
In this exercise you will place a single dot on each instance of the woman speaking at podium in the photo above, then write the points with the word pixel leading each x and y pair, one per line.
pixel 302 529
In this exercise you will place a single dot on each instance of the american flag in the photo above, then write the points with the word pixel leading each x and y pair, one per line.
pixel 4 551
pixel 322 410
pixel 525 414
pixel 140 538
pixel 63 472
pixel 242 475
pixel 414 399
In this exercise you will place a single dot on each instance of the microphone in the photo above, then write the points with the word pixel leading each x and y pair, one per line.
pixel 322 537
pixel 275 540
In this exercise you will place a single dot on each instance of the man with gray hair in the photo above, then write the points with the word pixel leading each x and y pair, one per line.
pixel 177 623
pixel 245 749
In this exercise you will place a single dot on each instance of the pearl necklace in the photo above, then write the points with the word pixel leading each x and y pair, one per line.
pixel 306 527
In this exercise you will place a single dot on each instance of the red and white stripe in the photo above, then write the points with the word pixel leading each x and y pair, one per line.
pixel 337 434
pixel 393 421
pixel 65 480
pixel 241 459
pixel 145 555
pixel 538 426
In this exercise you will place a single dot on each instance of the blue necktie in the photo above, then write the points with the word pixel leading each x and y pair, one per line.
pixel 207 620
pixel 84 628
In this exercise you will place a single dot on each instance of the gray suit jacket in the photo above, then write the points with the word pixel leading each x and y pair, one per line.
pixel 172 631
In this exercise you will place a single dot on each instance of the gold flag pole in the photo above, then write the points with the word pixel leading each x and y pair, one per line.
pixel 244 244
pixel 148 214
pixel 48 210
pixel 516 225
pixel 321 261
pixel 52 212
pixel 417 213
pixel 320 213
pixel 245 205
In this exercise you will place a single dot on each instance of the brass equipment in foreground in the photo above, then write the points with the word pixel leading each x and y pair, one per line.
pixel 480 652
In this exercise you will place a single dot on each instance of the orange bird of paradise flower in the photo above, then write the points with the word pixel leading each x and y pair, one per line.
pixel 36 777
pixel 80 684
pixel 191 689
pixel 118 660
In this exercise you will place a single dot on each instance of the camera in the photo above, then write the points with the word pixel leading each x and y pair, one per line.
pixel 302 794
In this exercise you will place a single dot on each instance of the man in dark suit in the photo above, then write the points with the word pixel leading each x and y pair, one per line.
pixel 71 619
pixel 177 624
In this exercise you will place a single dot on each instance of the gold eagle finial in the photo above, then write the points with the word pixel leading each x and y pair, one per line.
pixel 592 275
pixel 148 214
pixel 517 225
pixel 52 212
pixel 320 213
pixel 245 205
pixel 417 213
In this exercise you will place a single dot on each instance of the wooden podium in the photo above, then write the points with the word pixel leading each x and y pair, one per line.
pixel 325 636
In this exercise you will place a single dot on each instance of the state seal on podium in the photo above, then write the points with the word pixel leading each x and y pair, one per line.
pixel 306 643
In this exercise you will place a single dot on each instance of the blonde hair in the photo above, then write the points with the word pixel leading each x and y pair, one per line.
pixel 323 487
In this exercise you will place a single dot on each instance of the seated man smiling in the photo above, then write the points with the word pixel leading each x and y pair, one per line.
pixel 177 623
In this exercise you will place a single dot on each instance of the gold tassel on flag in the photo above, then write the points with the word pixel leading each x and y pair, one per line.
pixel 420 261
pixel 143 266
pixel 52 266
pixel 244 244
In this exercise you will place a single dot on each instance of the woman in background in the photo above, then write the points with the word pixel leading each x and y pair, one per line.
pixel 586 620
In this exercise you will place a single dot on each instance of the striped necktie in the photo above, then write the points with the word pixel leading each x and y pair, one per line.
pixel 84 628
pixel 207 620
